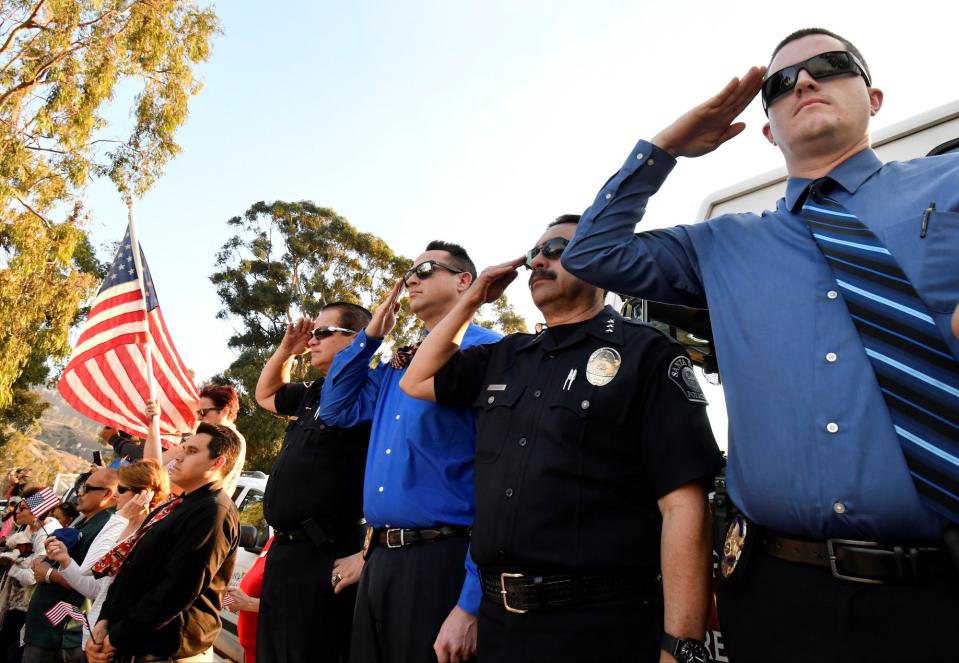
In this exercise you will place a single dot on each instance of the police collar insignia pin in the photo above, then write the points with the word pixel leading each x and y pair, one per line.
pixel 602 367
pixel 610 325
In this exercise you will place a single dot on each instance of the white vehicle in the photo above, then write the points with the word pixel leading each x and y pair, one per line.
pixel 254 533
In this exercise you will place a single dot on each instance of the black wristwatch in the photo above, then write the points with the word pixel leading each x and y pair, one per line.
pixel 685 650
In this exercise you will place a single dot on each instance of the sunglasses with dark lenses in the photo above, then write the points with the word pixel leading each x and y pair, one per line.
pixel 325 332
pixel 86 488
pixel 551 250
pixel 203 411
pixel 123 490
pixel 425 269
pixel 824 65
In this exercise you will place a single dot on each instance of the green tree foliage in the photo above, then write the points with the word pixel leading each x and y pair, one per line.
pixel 62 63
pixel 286 260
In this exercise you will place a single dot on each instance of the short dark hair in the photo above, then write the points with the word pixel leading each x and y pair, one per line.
pixel 223 396
pixel 805 32
pixel 223 442
pixel 564 218
pixel 458 255
pixel 352 316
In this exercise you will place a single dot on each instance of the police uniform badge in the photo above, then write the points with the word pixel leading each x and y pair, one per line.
pixel 736 547
pixel 681 373
pixel 367 541
pixel 602 367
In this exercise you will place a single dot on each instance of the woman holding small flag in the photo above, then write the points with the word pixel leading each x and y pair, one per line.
pixel 26 545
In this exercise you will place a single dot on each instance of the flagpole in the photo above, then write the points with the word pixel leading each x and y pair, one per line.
pixel 148 346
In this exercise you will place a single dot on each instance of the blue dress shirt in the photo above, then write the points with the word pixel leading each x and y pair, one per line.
pixel 812 450
pixel 419 469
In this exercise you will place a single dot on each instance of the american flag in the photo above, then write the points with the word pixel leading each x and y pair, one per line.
pixel 227 600
pixel 106 378
pixel 42 501
pixel 62 610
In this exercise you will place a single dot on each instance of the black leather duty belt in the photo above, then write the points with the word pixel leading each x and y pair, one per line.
pixel 312 531
pixel 398 538
pixel 520 593
pixel 863 561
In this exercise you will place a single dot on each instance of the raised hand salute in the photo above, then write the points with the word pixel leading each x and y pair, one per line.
pixel 710 124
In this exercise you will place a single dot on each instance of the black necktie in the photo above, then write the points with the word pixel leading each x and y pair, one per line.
pixel 917 373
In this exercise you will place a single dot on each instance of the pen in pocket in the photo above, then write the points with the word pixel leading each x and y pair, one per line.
pixel 924 226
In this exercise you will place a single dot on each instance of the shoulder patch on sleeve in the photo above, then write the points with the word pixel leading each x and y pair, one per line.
pixel 681 373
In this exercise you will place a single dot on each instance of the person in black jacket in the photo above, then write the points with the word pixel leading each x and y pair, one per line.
pixel 164 603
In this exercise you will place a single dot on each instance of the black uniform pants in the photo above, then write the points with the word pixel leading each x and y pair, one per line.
pixel 624 629
pixel 405 594
pixel 301 620
pixel 788 612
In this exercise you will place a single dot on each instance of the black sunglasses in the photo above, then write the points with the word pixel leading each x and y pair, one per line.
pixel 86 488
pixel 325 332
pixel 425 269
pixel 126 489
pixel 551 250
pixel 202 412
pixel 824 65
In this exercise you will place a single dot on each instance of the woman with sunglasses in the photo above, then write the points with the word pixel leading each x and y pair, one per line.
pixel 17 587
pixel 218 405
pixel 142 486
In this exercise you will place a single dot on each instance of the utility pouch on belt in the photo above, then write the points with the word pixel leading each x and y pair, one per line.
pixel 316 533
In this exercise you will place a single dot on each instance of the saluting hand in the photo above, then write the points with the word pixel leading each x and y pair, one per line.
pixel 297 337
pixel 493 281
pixel 710 124
pixel 384 317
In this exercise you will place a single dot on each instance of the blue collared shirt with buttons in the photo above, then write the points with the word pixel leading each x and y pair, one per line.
pixel 812 449
pixel 419 469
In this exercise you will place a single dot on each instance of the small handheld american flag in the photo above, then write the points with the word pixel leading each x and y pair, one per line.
pixel 42 501
pixel 228 600
pixel 62 610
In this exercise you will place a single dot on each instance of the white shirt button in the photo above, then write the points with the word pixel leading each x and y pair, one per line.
pixel 381 489
pixel 608 196
pixel 832 427
pixel 389 451
pixel 839 508
pixel 397 417
pixel 362 345
pixel 640 156
pixel 832 294
pixel 831 357
pixel 491 399
pixel 651 162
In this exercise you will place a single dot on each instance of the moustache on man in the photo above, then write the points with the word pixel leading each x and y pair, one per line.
pixel 541 274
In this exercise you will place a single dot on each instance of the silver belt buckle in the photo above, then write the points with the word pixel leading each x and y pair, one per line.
pixel 833 562
pixel 402 538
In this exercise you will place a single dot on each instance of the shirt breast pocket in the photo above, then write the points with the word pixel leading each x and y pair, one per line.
pixel 930 262
pixel 568 412
pixel 496 413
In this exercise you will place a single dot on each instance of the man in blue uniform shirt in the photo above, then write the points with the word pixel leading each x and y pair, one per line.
pixel 418 488
pixel 814 454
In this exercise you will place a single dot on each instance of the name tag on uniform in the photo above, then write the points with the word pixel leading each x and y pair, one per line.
pixel 496 387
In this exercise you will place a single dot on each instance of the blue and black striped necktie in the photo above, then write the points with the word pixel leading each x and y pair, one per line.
pixel 916 371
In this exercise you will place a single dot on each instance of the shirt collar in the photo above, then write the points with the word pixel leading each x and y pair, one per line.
pixel 850 175
pixel 605 325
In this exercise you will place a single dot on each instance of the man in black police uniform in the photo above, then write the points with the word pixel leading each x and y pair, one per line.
pixel 314 501
pixel 592 454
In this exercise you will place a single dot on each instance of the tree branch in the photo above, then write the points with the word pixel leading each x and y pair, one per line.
pixel 29 23
pixel 37 214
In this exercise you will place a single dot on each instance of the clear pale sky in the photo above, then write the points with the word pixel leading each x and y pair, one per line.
pixel 474 121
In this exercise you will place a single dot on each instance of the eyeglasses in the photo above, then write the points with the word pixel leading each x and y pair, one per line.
pixel 325 332
pixel 123 490
pixel 824 65
pixel 425 269
pixel 203 411
pixel 551 250
pixel 86 488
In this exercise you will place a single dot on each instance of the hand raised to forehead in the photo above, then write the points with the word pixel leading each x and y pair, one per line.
pixel 297 336
pixel 493 281
pixel 710 124
pixel 384 317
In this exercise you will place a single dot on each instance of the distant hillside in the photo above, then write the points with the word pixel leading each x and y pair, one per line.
pixel 66 430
